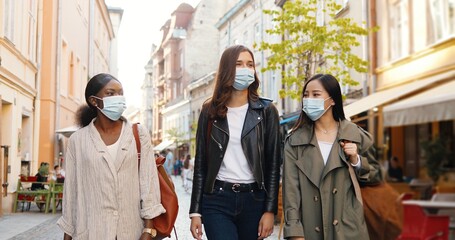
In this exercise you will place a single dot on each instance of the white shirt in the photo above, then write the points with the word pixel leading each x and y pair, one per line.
pixel 325 148
pixel 235 167
pixel 113 148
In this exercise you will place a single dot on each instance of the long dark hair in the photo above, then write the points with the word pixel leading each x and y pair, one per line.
pixel 87 112
pixel 332 87
pixel 225 77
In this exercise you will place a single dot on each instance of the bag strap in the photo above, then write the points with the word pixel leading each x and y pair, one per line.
pixel 138 144
pixel 138 147
pixel 354 180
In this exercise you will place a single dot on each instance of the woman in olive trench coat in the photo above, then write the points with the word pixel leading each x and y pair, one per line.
pixel 319 200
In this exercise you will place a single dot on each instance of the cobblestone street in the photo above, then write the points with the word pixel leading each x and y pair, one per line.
pixel 39 226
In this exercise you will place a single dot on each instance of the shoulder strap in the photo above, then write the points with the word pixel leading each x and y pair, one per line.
pixel 355 182
pixel 138 144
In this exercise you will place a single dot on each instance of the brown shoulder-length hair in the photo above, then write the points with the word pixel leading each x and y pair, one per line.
pixel 224 81
pixel 331 85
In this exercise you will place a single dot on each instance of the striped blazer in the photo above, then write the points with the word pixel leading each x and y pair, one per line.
pixel 102 195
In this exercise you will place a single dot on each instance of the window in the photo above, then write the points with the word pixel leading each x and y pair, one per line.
pixel 64 70
pixel 181 59
pixel 71 81
pixel 320 13
pixel 257 33
pixel 32 30
pixel 399 29
pixel 273 85
pixel 442 18
pixel 246 41
pixel 8 19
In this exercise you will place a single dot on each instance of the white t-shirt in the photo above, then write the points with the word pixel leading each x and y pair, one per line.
pixel 235 167
pixel 113 148
pixel 325 148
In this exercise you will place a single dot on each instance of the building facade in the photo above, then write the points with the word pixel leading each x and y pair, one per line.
pixel 45 66
pixel 20 50
pixel 189 51
pixel 414 76
pixel 246 24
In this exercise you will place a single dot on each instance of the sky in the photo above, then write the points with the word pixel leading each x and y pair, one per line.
pixel 139 29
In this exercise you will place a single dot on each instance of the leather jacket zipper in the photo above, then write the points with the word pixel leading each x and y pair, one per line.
pixel 260 160
pixel 219 144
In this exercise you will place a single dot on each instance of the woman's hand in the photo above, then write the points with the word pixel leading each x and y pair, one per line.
pixel 350 149
pixel 196 227
pixel 67 237
pixel 266 225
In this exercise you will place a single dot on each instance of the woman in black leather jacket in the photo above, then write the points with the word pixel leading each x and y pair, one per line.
pixel 237 163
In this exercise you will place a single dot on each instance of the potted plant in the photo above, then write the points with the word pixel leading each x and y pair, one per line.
pixel 436 154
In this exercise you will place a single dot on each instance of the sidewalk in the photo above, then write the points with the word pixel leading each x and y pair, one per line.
pixel 39 226
pixel 30 225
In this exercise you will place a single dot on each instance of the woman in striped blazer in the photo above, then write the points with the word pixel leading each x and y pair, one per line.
pixel 105 195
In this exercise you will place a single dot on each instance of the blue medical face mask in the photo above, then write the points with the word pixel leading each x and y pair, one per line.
pixel 244 77
pixel 314 107
pixel 113 106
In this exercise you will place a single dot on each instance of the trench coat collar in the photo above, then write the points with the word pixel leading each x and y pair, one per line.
pixel 312 163
pixel 314 167
pixel 349 131
pixel 346 131
pixel 125 142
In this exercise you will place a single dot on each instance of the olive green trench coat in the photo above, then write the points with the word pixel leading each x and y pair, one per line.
pixel 319 201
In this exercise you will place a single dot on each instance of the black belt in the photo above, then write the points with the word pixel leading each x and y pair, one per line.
pixel 237 187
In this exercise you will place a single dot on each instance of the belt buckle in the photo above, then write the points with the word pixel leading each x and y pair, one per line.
pixel 235 187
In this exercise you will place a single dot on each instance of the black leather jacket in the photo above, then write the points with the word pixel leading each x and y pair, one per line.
pixel 261 146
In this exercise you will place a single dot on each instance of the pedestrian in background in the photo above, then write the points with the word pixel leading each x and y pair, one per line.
pixel 394 172
pixel 319 201
pixel 169 164
pixel 106 194
pixel 237 162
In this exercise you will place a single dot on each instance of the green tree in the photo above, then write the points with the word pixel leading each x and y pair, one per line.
pixel 307 46
pixel 175 135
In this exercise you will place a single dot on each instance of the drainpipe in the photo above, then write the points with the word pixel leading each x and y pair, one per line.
pixel 91 38
pixel 229 32
pixel 57 76
pixel 37 103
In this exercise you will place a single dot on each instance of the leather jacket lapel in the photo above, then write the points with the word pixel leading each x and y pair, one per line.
pixel 252 119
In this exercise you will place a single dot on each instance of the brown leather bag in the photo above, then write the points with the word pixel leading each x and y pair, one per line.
pixel 164 223
pixel 383 214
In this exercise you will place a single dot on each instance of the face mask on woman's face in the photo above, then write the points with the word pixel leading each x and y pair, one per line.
pixel 244 77
pixel 314 107
pixel 113 106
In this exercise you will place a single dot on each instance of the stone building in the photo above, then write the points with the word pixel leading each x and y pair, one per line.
pixel 48 51
pixel 189 50
pixel 412 97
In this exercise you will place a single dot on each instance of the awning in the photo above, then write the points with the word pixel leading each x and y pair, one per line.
pixel 435 104
pixel 67 131
pixel 382 97
pixel 164 144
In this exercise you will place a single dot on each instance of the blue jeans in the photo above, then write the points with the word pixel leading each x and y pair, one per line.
pixel 229 215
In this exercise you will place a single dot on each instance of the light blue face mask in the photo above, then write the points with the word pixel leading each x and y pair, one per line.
pixel 314 107
pixel 244 77
pixel 113 106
